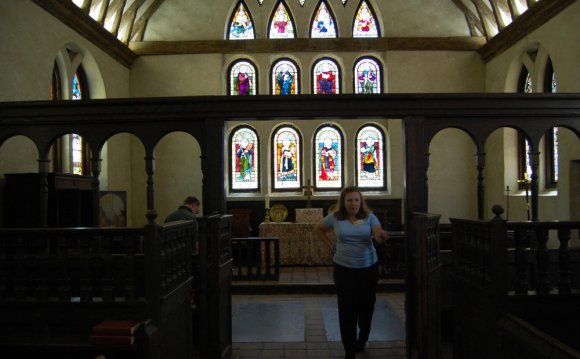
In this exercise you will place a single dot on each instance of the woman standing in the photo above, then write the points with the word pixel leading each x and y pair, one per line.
pixel 355 265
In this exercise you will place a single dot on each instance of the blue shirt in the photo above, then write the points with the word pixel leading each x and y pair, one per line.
pixel 354 244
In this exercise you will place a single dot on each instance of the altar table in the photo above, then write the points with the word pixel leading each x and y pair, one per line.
pixel 299 244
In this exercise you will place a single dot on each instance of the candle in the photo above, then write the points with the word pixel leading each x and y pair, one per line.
pixel 267 201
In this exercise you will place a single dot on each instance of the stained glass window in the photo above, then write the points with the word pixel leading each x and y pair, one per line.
pixel 525 161
pixel 327 77
pixel 365 23
pixel 328 157
pixel 367 74
pixel 551 142
pixel 285 78
pixel 281 23
pixel 287 158
pixel 323 23
pixel 242 78
pixel 370 167
pixel 241 24
pixel 76 141
pixel 244 159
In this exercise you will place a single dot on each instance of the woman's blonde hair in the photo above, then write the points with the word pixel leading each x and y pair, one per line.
pixel 339 207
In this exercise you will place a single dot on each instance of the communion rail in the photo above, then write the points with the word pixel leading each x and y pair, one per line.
pixel 518 301
pixel 56 284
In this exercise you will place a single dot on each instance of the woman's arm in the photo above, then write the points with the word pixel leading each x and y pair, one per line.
pixel 379 234
pixel 322 233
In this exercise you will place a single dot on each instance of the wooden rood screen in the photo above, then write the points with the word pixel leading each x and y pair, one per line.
pixel 56 284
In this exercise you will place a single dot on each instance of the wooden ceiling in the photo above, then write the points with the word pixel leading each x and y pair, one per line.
pixel 493 24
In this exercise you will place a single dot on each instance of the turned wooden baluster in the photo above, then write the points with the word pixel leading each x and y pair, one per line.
pixel 564 282
pixel 521 262
pixel 543 285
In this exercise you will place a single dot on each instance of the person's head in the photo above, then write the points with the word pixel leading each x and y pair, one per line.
pixel 192 203
pixel 351 202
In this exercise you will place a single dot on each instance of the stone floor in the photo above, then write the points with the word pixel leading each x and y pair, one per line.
pixel 312 332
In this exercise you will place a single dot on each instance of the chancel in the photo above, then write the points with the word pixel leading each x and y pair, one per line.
pixel 442 112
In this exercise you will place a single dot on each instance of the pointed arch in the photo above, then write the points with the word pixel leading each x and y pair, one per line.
pixel 327 77
pixel 281 25
pixel 241 24
pixel 365 21
pixel 244 155
pixel 525 85
pixel 323 24
pixel 285 77
pixel 551 142
pixel 371 152
pixel 286 159
pixel 328 157
pixel 368 74
pixel 243 78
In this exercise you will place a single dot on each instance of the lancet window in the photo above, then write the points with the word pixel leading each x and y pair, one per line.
pixel 287 158
pixel 551 138
pixel 323 24
pixel 365 21
pixel 281 23
pixel 370 167
pixel 241 24
pixel 328 157
pixel 242 78
pixel 244 155
pixel 326 75
pixel 367 76
pixel 524 158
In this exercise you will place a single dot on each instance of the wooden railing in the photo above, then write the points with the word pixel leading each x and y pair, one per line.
pixel 256 258
pixel 501 308
pixel 56 284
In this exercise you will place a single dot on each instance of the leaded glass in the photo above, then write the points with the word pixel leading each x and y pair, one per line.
pixel 281 24
pixel 528 88
pixel 328 158
pixel 287 158
pixel 77 154
pixel 242 78
pixel 367 73
pixel 323 24
pixel 365 23
pixel 285 78
pixel 370 166
pixel 327 76
pixel 77 92
pixel 241 24
pixel 244 157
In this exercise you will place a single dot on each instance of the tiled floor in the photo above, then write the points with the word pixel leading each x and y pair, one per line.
pixel 315 344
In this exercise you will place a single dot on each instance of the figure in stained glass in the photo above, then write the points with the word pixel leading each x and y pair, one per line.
pixel 364 23
pixel 241 26
pixel 77 93
pixel 287 160
pixel 242 79
pixel 286 155
pixel 245 159
pixel 284 78
pixel 326 74
pixel 367 75
pixel 281 23
pixel 369 156
pixel 244 154
pixel 370 173
pixel 323 24
pixel 328 154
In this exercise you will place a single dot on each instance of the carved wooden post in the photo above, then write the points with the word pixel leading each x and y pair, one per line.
pixel 214 176
pixel 542 258
pixel 96 172
pixel 564 282
pixel 521 261
pixel 43 205
pixel 480 185
pixel 150 169
pixel 534 163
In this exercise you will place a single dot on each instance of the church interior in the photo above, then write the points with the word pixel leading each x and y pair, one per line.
pixel 459 120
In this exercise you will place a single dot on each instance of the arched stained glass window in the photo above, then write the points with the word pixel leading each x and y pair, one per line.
pixel 370 146
pixel 281 23
pixel 285 78
pixel 323 23
pixel 241 24
pixel 551 140
pixel 77 144
pixel 244 174
pixel 287 159
pixel 524 159
pixel 242 78
pixel 328 158
pixel 365 21
pixel 327 77
pixel 367 75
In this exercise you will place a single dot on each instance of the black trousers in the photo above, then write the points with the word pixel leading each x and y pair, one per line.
pixel 356 292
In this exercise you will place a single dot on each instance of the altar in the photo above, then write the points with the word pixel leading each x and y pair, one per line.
pixel 299 244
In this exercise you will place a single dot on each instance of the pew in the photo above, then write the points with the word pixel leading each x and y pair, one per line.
pixel 57 283
pixel 515 297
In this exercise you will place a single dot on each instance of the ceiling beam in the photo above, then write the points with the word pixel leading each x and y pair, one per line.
pixel 141 24
pixel 527 22
pixel 72 16
pixel 473 21
pixel 473 43
pixel 128 20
